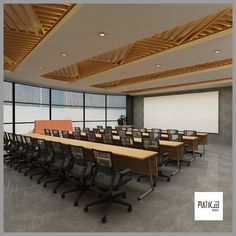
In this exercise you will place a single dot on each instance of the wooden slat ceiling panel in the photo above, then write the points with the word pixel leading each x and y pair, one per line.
pixel 177 86
pixel 25 25
pixel 157 43
pixel 163 74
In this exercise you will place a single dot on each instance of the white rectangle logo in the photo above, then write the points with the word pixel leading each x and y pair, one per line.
pixel 208 206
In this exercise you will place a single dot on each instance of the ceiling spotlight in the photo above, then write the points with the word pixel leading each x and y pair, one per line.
pixel 217 51
pixel 63 54
pixel 102 34
pixel 157 65
pixel 40 68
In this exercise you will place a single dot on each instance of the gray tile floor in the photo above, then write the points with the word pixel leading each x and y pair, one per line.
pixel 28 207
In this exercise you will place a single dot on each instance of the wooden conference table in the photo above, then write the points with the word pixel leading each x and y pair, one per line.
pixel 175 149
pixel 140 161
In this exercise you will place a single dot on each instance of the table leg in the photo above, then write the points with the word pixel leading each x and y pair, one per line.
pixel 151 181
pixel 178 165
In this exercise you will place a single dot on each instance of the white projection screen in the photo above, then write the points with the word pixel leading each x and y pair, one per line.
pixel 195 111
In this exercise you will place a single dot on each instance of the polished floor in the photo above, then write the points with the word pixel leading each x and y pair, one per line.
pixel 28 207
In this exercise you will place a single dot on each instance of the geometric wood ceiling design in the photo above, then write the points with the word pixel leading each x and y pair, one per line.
pixel 163 74
pixel 25 25
pixel 157 43
pixel 176 86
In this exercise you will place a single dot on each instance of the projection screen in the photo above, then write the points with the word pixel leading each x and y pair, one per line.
pixel 195 111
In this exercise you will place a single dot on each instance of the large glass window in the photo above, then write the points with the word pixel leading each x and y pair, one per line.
pixel 7 107
pixel 33 103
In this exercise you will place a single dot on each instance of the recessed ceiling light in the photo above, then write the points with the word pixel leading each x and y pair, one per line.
pixel 217 51
pixel 157 65
pixel 40 68
pixel 102 34
pixel 63 54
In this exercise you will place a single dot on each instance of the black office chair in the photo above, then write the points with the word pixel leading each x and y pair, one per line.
pixel 108 179
pixel 137 134
pixel 55 133
pixel 99 127
pixel 127 141
pixel 153 135
pixel 65 134
pixel 86 130
pixel 96 131
pixel 77 129
pixel 172 131
pixel 162 158
pixel 129 129
pixel 47 132
pixel 107 139
pixel 179 138
pixel 79 172
pixel 143 130
pixel 155 130
pixel 91 137
pixel 12 149
pixel 61 161
pixel 76 135
pixel 43 160
pixel 122 133
pixel 192 133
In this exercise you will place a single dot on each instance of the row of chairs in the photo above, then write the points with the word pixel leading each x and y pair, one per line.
pixel 94 171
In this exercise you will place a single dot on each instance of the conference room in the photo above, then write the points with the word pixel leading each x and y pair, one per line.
pixel 117 117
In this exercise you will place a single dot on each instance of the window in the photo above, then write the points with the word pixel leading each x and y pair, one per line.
pixel 33 103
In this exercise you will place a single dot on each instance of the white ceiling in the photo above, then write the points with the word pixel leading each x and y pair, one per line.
pixel 123 23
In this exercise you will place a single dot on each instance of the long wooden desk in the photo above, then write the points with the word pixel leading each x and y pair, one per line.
pixel 175 149
pixel 138 160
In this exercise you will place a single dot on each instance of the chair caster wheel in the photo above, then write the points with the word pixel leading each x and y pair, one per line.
pixel 38 181
pixel 124 195
pixel 129 208
pixel 63 195
pixel 76 204
pixel 104 219
pixel 31 177
pixel 15 168
pixel 25 174
pixel 168 180
pixel 188 164
pixel 201 155
pixel 45 185
pixel 10 165
pixel 19 171
pixel 86 209
pixel 54 191
pixel 138 180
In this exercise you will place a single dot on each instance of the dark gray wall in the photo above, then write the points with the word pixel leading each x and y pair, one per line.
pixel 225 114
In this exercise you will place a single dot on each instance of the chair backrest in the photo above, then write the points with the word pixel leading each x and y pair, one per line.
pixel 122 133
pixel 175 137
pixel 99 127
pixel 55 133
pixel 150 144
pixel 155 130
pixel 143 130
pixel 86 130
pixel 105 172
pixel 76 135
pixel 107 139
pixel 109 128
pixel 155 135
pixel 29 142
pixel 91 137
pixel 78 164
pixel 96 131
pixel 47 131
pixel 19 139
pixel 77 129
pixel 172 131
pixel 118 128
pixel 137 134
pixel 190 133
pixel 12 138
pixel 65 134
pixel 127 141
pixel 130 129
